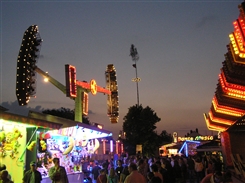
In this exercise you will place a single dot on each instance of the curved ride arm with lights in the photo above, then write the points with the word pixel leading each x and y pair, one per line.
pixel 26 63
pixel 112 100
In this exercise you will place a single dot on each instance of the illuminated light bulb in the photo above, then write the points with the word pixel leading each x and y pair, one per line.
pixel 45 79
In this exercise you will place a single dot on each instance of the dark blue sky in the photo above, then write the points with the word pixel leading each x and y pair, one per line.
pixel 181 45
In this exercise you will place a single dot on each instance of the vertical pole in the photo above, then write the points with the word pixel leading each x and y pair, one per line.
pixel 135 57
pixel 79 105
pixel 137 86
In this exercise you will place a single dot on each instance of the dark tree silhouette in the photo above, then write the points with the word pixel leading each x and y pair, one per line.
pixel 64 113
pixel 140 128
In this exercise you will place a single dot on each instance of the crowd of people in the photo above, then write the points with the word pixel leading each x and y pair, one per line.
pixel 57 174
pixel 173 169
pixel 137 169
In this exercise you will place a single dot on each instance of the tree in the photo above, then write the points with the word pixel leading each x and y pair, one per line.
pixel 139 126
pixel 65 113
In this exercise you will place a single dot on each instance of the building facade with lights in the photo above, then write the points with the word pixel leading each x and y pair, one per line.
pixel 227 112
pixel 228 104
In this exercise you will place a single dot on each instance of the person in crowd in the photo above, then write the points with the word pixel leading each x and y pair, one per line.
pixel 134 176
pixel 141 168
pixel 95 171
pixel 170 171
pixel 155 171
pixel 150 162
pixel 124 174
pixel 217 164
pixel 172 160
pixel 119 168
pixel 58 173
pixel 112 178
pixel 32 175
pixel 177 171
pixel 191 169
pixel 4 177
pixel 228 177
pixel 162 170
pixel 216 177
pixel 150 175
pixel 199 169
pixel 102 178
pixel 155 180
pixel 146 165
pixel 183 168
pixel 105 166
pixel 3 167
pixel 210 168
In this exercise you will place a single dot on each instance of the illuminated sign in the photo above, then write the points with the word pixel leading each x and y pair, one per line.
pixel 71 86
pixel 197 138
pixel 93 87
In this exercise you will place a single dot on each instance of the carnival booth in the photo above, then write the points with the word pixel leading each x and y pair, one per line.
pixel 25 139
pixel 18 141
pixel 73 143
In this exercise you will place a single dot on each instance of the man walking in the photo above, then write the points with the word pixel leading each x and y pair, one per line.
pixel 32 175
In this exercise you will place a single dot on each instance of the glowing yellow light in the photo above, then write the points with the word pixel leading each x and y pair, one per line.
pixel 45 79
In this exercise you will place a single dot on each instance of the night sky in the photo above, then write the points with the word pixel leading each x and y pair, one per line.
pixel 181 45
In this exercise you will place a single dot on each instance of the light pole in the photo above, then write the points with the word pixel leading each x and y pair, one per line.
pixel 135 57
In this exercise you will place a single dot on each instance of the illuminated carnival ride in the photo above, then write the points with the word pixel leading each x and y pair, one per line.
pixel 228 103
pixel 70 144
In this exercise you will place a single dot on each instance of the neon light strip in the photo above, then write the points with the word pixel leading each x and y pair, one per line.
pixel 242 28
pixel 85 103
pixel 182 147
pixel 234 86
pixel 186 150
pixel 111 145
pixel 104 145
pixel 122 149
pixel 72 80
pixel 117 145
pixel 238 35
pixel 86 85
pixel 231 91
pixel 226 110
pixel 219 120
pixel 212 126
pixel 235 45
pixel 234 56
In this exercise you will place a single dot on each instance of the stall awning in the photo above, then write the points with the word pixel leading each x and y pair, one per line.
pixel 10 117
pixel 66 123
